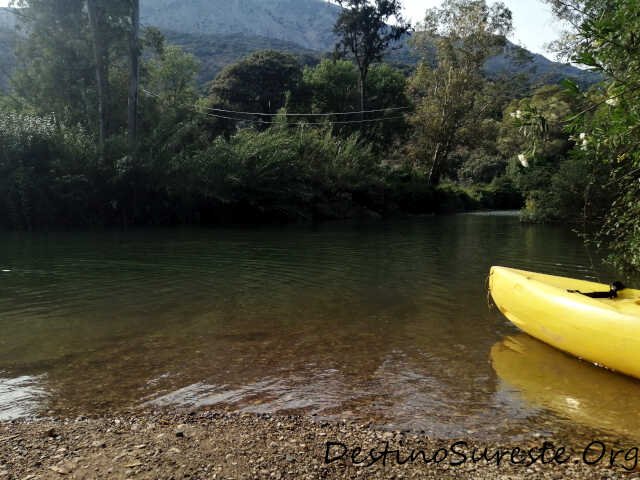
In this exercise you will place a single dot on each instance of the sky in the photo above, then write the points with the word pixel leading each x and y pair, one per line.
pixel 534 24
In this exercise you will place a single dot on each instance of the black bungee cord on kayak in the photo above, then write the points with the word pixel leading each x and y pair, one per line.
pixel 614 288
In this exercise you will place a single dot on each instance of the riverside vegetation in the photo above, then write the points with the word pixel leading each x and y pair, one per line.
pixel 78 147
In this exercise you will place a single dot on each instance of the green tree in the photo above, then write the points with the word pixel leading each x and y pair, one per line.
pixel 333 87
pixel 97 22
pixel 55 67
pixel 169 119
pixel 47 176
pixel 133 25
pixel 605 38
pixel 71 54
pixel 387 89
pixel 172 76
pixel 553 181
pixel 448 90
pixel 366 29
pixel 258 83
pixel 170 128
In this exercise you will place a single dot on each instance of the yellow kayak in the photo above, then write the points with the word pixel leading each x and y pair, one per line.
pixel 545 377
pixel 603 331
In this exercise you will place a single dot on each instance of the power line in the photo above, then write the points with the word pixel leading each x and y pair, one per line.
pixel 390 109
pixel 266 122
pixel 270 122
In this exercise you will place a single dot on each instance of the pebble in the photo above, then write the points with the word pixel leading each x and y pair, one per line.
pixel 223 445
pixel 62 470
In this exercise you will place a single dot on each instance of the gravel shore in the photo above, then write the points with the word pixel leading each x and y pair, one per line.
pixel 213 445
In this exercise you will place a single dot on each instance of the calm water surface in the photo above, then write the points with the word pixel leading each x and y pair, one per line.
pixel 384 322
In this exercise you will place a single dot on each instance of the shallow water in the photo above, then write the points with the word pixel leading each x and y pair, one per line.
pixel 384 322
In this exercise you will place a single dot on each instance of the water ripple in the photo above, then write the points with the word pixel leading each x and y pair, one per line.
pixel 384 322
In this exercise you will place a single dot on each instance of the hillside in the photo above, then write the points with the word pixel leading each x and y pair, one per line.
pixel 220 32
pixel 308 23
pixel 537 68
pixel 302 26
pixel 7 58
pixel 7 46
pixel 7 19
pixel 215 51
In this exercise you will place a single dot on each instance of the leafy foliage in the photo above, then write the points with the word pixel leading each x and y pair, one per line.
pixel 605 39
pixel 332 86
pixel 56 52
pixel 447 90
pixel 366 31
pixel 259 83
pixel 45 171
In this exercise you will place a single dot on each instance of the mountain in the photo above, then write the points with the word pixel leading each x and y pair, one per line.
pixel 307 23
pixel 517 61
pixel 7 46
pixel 215 51
pixel 7 19
pixel 220 32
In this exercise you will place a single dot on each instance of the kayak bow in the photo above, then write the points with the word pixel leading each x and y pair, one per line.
pixel 603 331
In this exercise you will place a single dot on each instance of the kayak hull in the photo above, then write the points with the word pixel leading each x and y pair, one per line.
pixel 602 331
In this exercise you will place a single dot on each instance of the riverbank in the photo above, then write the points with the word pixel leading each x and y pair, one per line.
pixel 211 445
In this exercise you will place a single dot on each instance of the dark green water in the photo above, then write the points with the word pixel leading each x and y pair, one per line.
pixel 385 322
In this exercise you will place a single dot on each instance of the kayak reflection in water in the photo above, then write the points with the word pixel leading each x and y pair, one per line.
pixel 576 390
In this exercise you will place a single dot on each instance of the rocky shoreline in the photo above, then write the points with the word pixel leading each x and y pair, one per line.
pixel 216 445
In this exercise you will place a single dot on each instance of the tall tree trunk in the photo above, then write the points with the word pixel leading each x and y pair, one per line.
pixel 134 74
pixel 96 19
pixel 363 82
pixel 434 178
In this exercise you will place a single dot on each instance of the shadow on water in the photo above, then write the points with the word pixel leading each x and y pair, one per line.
pixel 385 322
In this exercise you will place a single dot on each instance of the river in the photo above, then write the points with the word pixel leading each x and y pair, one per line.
pixel 383 322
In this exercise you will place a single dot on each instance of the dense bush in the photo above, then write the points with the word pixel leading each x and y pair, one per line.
pixel 277 174
pixel 46 172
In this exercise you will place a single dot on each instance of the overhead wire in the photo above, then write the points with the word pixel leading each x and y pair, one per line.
pixel 339 122
pixel 271 122
pixel 286 114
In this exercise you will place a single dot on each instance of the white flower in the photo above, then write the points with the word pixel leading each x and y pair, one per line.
pixel 612 102
pixel 523 160
pixel 583 136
